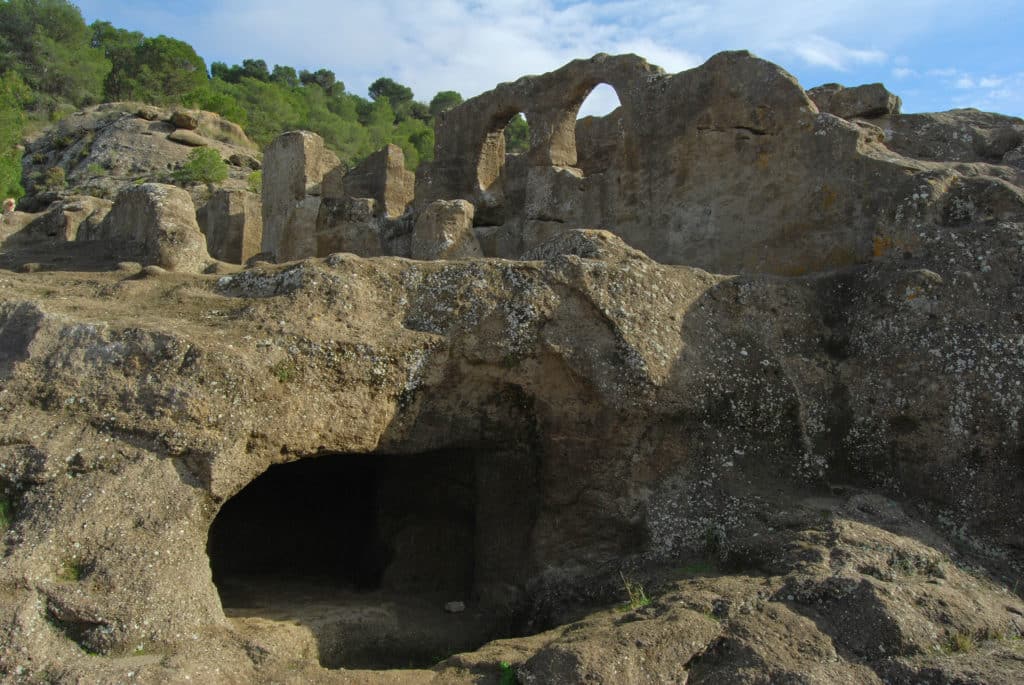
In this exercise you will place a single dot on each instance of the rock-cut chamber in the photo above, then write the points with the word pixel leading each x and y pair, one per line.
pixel 365 551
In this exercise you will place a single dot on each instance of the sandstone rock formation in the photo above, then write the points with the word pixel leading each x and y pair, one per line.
pixel 232 222
pixel 294 166
pixel 444 230
pixel 64 219
pixel 625 470
pixel 868 101
pixel 729 166
pixel 105 148
pixel 154 224
pixel 383 177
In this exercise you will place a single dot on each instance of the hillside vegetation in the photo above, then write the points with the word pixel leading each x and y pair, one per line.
pixel 52 63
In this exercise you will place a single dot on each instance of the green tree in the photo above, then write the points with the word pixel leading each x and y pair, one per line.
pixel 321 77
pixel 220 70
pixel 285 76
pixel 394 92
pixel 255 68
pixel 161 70
pixel 444 101
pixel 204 165
pixel 118 46
pixel 517 134
pixel 14 96
pixel 48 43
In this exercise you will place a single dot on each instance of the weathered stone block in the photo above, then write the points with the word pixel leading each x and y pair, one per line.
pixel 293 167
pixel 233 224
pixel 383 177
pixel 444 230
pixel 348 226
pixel 156 224
pixel 74 218
pixel 867 101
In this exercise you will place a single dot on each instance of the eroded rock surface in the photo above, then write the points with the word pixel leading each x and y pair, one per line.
pixel 154 224
pixel 624 470
pixel 106 148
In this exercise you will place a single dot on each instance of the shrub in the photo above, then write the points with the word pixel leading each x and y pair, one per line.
pixel 5 513
pixel 256 182
pixel 95 169
pixel 55 178
pixel 959 643
pixel 204 165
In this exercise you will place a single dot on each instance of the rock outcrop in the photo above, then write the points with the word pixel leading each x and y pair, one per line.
pixel 444 230
pixel 293 167
pixel 869 101
pixel 730 167
pixel 105 148
pixel 232 222
pixel 154 224
pixel 622 470
pixel 65 219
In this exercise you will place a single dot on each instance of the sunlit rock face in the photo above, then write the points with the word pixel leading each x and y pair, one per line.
pixel 743 402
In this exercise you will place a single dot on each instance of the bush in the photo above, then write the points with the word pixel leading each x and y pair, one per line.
pixel 256 182
pixel 204 165
pixel 55 178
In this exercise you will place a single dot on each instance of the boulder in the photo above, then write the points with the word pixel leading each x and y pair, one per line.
pixel 244 160
pixel 148 112
pixel 155 224
pixel 868 101
pixel 232 221
pixel 444 230
pixel 584 243
pixel 959 135
pixel 188 137
pixel 186 120
pixel 72 218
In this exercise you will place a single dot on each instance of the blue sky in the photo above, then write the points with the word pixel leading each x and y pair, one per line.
pixel 935 54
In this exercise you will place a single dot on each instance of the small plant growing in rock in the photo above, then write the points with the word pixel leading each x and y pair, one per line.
pixel 5 513
pixel 55 178
pixel 285 371
pixel 635 591
pixel 95 169
pixel 204 165
pixel 508 674
pixel 256 182
pixel 959 643
pixel 72 570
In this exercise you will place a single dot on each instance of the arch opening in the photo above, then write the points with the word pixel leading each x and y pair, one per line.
pixel 500 166
pixel 599 132
pixel 364 552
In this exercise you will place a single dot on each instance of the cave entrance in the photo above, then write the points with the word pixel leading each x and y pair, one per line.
pixel 364 552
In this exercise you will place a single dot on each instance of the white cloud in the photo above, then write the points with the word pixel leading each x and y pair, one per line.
pixel 474 44
pixel 964 82
pixel 471 45
pixel 823 52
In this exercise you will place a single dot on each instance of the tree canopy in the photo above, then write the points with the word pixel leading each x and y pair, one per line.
pixel 52 62
pixel 444 101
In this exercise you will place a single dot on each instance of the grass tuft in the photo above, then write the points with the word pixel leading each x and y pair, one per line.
pixel 637 596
